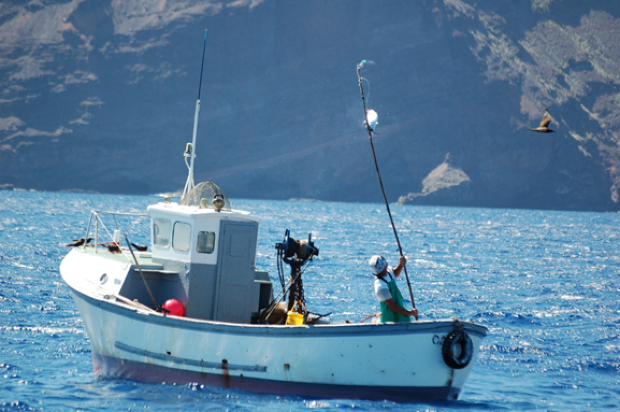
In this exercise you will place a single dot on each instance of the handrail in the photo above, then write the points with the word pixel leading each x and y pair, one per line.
pixel 105 212
pixel 96 214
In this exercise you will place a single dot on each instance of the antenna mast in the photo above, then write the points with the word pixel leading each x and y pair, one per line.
pixel 190 149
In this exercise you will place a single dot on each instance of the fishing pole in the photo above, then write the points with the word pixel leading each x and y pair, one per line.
pixel 370 131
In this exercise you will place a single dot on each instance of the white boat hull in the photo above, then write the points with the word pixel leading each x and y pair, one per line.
pixel 400 362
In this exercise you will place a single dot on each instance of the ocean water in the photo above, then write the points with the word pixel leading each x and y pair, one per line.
pixel 546 284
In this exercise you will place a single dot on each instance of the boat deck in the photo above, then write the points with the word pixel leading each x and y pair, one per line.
pixel 145 259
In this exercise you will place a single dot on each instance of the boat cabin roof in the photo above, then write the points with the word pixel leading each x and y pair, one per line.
pixel 189 233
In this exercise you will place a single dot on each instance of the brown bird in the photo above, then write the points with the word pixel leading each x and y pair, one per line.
pixel 79 242
pixel 139 248
pixel 543 124
pixel 113 247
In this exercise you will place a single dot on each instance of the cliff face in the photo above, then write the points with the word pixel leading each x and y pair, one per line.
pixel 100 96
pixel 444 184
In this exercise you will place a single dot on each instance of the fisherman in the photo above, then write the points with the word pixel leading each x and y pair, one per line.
pixel 390 298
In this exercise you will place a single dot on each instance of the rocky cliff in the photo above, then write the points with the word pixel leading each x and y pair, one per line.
pixel 100 96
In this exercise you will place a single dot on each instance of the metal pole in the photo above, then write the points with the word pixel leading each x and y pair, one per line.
pixel 148 289
pixel 189 185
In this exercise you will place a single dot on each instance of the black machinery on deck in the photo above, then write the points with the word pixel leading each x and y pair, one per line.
pixel 295 253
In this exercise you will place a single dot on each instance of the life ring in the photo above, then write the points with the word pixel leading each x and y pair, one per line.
pixel 457 349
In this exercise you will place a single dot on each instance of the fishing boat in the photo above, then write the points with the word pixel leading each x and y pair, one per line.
pixel 192 307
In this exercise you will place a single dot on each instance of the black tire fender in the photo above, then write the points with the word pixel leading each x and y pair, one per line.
pixel 457 349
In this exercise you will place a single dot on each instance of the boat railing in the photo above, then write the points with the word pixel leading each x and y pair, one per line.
pixel 95 215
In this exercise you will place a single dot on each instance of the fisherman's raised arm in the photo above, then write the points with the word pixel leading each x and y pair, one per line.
pixel 401 265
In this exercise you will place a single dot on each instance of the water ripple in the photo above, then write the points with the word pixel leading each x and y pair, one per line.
pixel 545 283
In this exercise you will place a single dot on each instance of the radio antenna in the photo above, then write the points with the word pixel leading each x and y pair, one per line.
pixel 190 149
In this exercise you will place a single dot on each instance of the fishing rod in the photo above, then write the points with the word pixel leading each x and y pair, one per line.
pixel 370 130
pixel 190 149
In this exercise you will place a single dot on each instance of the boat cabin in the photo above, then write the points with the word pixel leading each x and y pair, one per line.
pixel 204 256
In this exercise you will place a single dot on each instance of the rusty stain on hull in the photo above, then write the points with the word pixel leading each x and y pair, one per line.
pixel 225 373
pixel 450 378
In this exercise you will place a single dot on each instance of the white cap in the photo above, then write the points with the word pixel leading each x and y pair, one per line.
pixel 377 263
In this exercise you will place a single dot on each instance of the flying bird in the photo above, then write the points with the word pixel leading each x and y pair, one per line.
pixel 79 242
pixel 543 124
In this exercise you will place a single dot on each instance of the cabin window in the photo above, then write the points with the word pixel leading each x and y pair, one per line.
pixel 206 242
pixel 161 232
pixel 181 236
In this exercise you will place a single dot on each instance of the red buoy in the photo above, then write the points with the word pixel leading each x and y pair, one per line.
pixel 175 307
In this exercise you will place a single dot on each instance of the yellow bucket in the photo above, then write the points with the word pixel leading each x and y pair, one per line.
pixel 294 318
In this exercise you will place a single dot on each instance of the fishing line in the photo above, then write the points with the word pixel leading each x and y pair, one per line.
pixel 366 63
pixel 368 90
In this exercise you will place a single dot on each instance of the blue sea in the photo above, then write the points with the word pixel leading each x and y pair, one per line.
pixel 545 283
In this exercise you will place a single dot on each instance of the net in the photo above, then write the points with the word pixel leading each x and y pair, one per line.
pixel 207 191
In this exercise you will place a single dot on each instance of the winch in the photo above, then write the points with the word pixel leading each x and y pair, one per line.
pixel 295 253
